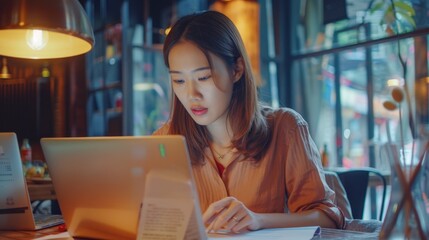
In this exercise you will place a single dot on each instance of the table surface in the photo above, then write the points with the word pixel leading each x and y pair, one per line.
pixel 46 191
pixel 336 234
pixel 326 233
pixel 18 235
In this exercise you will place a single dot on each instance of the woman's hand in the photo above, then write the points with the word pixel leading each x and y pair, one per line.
pixel 230 215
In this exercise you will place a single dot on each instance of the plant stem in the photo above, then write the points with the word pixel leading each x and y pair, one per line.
pixel 404 67
pixel 401 132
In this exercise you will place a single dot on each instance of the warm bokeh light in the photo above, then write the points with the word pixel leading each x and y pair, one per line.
pixel 395 82
pixel 167 30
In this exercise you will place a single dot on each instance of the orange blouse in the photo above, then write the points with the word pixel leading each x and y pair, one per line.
pixel 289 178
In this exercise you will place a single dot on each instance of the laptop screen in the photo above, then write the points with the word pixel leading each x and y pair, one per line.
pixel 102 183
pixel 12 182
pixel 15 206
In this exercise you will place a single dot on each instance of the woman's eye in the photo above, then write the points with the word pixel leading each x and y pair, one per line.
pixel 204 78
pixel 178 81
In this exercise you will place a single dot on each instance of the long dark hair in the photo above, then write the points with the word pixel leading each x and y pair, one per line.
pixel 215 33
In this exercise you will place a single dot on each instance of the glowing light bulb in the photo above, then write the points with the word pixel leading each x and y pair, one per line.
pixel 37 39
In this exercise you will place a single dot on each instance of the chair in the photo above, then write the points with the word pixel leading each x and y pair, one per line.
pixel 355 182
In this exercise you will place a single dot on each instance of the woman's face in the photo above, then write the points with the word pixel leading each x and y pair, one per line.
pixel 193 83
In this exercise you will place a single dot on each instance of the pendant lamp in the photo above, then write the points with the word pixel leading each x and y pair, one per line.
pixel 44 29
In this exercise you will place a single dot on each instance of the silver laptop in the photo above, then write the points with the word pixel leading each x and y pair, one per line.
pixel 125 187
pixel 16 212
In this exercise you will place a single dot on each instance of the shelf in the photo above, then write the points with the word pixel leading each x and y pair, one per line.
pixel 103 59
pixel 104 64
pixel 115 85
pixel 121 62
pixel 114 111
pixel 154 47
pixel 110 112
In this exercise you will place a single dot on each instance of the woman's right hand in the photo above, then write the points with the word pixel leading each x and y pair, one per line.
pixel 230 215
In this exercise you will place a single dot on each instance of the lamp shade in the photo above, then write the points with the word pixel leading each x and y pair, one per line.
pixel 44 29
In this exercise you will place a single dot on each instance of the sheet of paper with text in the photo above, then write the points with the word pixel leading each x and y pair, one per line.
pixel 168 209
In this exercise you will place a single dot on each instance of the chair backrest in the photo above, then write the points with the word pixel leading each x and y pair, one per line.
pixel 355 182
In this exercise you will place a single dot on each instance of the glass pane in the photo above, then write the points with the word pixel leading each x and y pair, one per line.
pixel 95 106
pixel 151 90
pixel 391 74
pixel 314 99
pixel 354 108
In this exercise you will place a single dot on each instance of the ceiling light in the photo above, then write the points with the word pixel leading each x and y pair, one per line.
pixel 44 29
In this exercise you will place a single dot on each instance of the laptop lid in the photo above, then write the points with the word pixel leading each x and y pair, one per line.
pixel 102 183
pixel 16 212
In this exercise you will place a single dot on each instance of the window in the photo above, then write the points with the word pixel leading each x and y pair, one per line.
pixel 344 68
pixel 340 69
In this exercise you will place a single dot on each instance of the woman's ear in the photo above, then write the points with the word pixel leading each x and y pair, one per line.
pixel 238 69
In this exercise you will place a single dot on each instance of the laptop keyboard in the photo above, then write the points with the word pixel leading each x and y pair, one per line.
pixel 44 221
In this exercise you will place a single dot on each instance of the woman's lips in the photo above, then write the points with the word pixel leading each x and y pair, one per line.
pixel 199 111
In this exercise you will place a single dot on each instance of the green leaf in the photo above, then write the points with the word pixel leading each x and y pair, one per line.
pixel 403 12
pixel 408 19
pixel 388 16
pixel 400 5
pixel 389 10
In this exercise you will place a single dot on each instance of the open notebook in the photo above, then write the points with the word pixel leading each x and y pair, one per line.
pixel 104 185
pixel 15 207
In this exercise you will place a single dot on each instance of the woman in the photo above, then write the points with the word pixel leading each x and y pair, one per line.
pixel 254 167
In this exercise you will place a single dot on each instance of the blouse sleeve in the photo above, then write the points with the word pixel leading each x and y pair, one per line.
pixel 305 181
